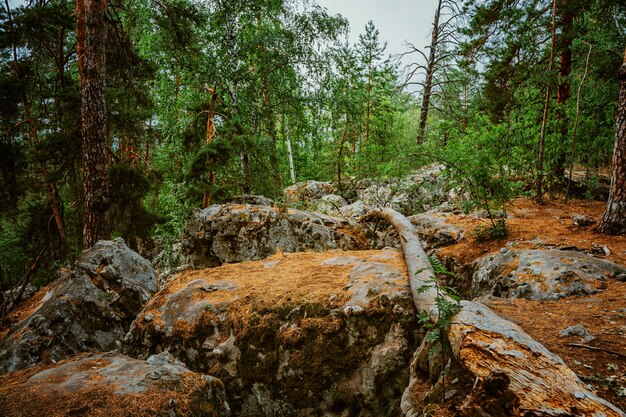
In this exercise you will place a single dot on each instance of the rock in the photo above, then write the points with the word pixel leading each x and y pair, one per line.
pixel 115 385
pixel 354 210
pixel 582 220
pixel 235 233
pixel 257 200
pixel 434 231
pixel 621 277
pixel 329 204
pixel 89 308
pixel 279 339
pixel 576 330
pixel 10 297
pixel 416 193
pixel 307 191
pixel 541 274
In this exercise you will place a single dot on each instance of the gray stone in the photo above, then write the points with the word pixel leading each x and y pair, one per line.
pixel 257 200
pixel 307 191
pixel 541 274
pixel 422 191
pixel 88 308
pixel 346 351
pixel 576 330
pixel 583 220
pixel 353 210
pixel 235 233
pixel 329 204
pixel 124 382
pixel 434 231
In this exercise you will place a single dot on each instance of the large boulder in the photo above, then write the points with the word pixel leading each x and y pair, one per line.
pixel 112 384
pixel 88 308
pixel 294 335
pixel 434 230
pixel 235 233
pixel 415 193
pixel 541 274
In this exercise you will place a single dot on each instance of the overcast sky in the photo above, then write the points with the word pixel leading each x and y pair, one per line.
pixel 398 21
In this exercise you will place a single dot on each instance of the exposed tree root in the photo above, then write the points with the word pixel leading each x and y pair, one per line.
pixel 486 345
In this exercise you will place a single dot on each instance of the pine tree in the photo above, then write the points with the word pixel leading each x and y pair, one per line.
pixel 92 41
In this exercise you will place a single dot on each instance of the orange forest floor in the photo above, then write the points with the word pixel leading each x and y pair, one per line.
pixel 534 226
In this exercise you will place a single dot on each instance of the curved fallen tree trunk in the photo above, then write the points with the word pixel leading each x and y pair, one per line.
pixel 485 344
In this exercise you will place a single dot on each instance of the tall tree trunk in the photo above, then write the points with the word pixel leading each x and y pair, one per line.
pixel 92 35
pixel 292 170
pixel 564 92
pixel 430 72
pixel 210 133
pixel 614 219
pixel 573 143
pixel 544 121
pixel 369 103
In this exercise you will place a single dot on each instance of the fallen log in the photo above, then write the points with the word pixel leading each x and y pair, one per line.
pixel 485 344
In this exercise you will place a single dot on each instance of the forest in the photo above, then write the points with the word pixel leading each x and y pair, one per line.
pixel 204 100
pixel 228 208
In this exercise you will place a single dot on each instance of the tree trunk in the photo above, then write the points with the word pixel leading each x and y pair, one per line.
pixel 430 72
pixel 92 35
pixel 564 89
pixel 292 170
pixel 210 132
pixel 614 219
pixel 481 342
pixel 544 121
pixel 573 142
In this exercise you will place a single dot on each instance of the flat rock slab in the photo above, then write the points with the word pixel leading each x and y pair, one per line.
pixel 295 334
pixel 112 384
pixel 541 274
pixel 236 233
pixel 88 308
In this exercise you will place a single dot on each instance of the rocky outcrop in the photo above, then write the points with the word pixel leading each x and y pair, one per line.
pixel 307 191
pixel 541 274
pixel 88 308
pixel 235 233
pixel 114 385
pixel 294 335
pixel 413 194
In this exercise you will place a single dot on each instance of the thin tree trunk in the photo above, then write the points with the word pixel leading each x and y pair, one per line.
pixel 292 170
pixel 573 146
pixel 210 133
pixel 430 72
pixel 614 218
pixel 92 31
pixel 340 153
pixel 544 121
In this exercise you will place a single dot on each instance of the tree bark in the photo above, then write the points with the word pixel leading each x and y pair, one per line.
pixel 614 218
pixel 564 90
pixel 481 342
pixel 92 35
pixel 544 121
pixel 430 72
pixel 210 132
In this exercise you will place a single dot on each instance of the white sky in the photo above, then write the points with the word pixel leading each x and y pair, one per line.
pixel 398 21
